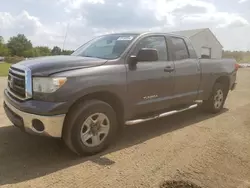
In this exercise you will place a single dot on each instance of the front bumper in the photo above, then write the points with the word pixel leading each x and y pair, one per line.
pixel 35 124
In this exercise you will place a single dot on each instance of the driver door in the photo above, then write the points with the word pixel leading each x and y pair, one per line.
pixel 150 86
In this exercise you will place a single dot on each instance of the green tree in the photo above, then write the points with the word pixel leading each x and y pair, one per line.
pixel 43 50
pixel 4 51
pixel 19 44
pixel 37 52
pixel 31 53
pixel 56 50
pixel 1 40
pixel 67 52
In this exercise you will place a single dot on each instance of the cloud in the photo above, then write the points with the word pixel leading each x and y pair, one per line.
pixel 130 14
pixel 31 26
pixel 190 9
pixel 114 16
pixel 22 23
pixel 243 1
pixel 117 14
pixel 218 19
pixel 204 13
pixel 88 18
pixel 234 38
pixel 156 15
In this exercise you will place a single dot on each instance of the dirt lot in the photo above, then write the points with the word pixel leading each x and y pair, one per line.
pixel 210 151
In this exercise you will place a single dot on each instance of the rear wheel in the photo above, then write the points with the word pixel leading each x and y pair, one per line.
pixel 90 127
pixel 217 99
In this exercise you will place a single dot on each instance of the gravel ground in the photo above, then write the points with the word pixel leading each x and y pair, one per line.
pixel 200 149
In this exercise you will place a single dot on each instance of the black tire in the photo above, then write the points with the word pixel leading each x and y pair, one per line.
pixel 210 104
pixel 75 119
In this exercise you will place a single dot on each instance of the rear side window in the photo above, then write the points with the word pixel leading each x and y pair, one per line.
pixel 156 42
pixel 180 49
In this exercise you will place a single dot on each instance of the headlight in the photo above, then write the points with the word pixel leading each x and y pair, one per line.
pixel 47 85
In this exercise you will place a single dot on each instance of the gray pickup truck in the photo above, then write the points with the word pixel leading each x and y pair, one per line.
pixel 84 98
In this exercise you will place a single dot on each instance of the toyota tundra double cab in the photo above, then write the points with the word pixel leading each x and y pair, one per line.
pixel 86 97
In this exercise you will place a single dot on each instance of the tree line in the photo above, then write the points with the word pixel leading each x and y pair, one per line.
pixel 239 56
pixel 20 46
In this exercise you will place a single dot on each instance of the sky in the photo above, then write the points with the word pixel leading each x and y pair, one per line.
pixel 47 22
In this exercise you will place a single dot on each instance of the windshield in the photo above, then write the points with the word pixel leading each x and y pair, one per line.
pixel 105 47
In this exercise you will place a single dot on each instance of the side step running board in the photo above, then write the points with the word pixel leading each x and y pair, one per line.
pixel 131 122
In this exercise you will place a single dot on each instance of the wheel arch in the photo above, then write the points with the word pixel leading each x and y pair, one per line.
pixel 225 81
pixel 109 97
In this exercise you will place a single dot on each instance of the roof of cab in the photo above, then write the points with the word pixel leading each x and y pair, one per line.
pixel 151 33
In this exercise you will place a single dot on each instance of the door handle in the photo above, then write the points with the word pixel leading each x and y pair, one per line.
pixel 168 69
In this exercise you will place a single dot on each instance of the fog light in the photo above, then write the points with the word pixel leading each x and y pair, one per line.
pixel 38 125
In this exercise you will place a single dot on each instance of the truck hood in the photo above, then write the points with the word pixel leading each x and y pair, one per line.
pixel 45 66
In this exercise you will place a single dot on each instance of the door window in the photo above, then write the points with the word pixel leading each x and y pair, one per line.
pixel 155 42
pixel 180 49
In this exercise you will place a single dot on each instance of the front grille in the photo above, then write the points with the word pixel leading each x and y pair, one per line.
pixel 19 80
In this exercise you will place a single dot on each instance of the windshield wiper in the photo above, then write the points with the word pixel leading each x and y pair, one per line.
pixel 88 56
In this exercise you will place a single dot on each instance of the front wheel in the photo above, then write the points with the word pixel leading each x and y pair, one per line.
pixel 217 99
pixel 90 127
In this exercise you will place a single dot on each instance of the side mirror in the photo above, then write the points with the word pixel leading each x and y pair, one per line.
pixel 133 61
pixel 147 54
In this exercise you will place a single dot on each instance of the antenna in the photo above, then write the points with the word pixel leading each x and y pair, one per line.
pixel 65 37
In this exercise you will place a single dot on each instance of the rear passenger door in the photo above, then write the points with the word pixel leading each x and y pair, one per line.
pixel 187 71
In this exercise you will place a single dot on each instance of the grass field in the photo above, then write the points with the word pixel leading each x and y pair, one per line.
pixel 4 68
